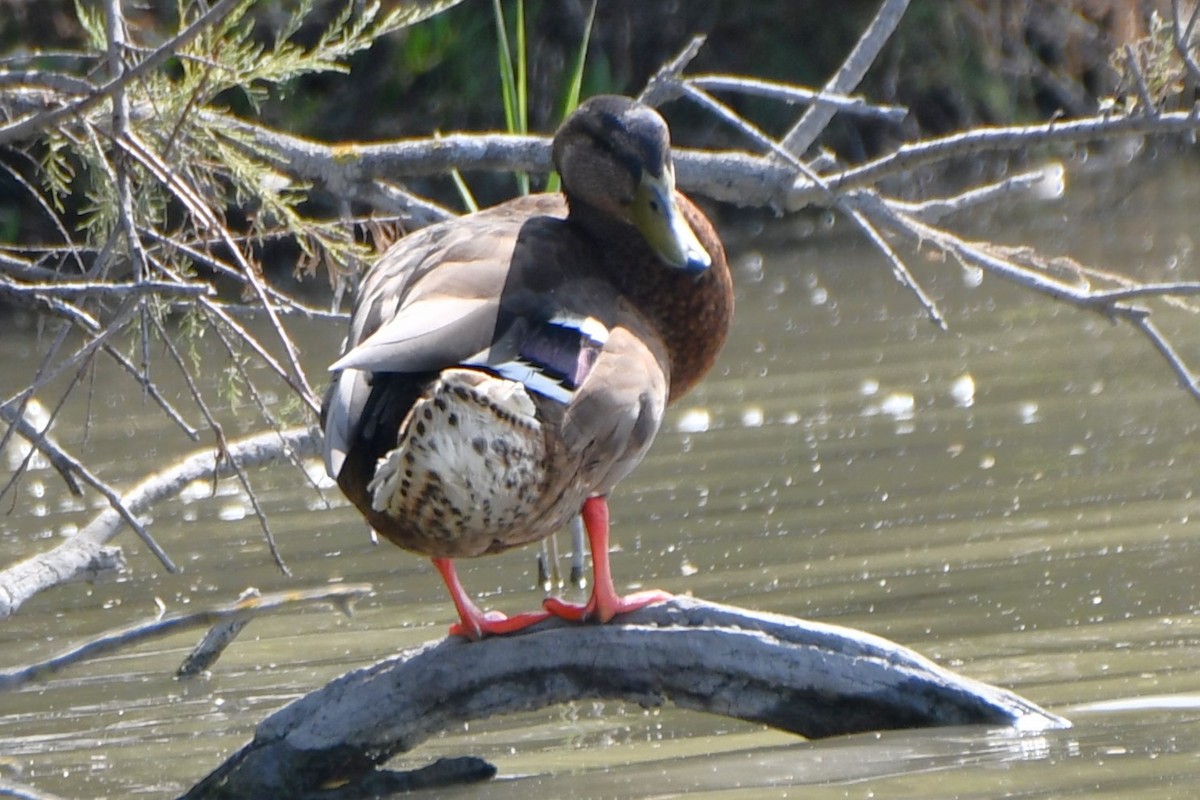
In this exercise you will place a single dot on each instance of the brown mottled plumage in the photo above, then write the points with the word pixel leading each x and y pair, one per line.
pixel 506 369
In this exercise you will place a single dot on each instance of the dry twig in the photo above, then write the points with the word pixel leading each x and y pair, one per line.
pixel 24 579
pixel 241 611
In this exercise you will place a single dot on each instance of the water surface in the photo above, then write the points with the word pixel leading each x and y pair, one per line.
pixel 1012 498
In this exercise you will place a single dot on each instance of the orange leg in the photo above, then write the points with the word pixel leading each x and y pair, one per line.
pixel 475 623
pixel 605 603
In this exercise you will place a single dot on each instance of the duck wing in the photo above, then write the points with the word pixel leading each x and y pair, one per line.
pixel 482 291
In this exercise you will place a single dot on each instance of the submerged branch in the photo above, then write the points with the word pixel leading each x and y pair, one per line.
pixel 243 610
pixel 808 678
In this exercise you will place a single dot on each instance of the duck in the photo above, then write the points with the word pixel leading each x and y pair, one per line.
pixel 506 369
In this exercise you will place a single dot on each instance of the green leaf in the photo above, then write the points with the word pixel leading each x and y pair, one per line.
pixel 570 98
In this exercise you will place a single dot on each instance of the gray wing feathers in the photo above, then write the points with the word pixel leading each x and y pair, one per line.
pixel 344 405
pixel 430 302
pixel 431 305
pixel 426 335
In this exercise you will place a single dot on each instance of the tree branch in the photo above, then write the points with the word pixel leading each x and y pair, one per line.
pixel 34 123
pixel 729 176
pixel 848 76
pixel 1183 37
pixel 843 104
pixel 76 555
pixel 998 139
pixel 809 678
pixel 341 596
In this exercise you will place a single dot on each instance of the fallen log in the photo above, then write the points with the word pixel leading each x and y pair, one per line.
pixel 809 678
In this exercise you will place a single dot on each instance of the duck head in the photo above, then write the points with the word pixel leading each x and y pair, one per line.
pixel 614 157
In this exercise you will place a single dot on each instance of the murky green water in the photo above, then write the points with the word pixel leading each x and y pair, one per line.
pixel 1013 499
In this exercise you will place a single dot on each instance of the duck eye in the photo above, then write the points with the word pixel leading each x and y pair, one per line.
pixel 654 207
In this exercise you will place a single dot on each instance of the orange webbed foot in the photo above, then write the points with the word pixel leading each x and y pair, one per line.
pixel 605 603
pixel 474 624
pixel 603 609
pixel 494 623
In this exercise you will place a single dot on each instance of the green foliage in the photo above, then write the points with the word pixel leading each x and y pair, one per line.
pixel 91 20
pixel 190 147
pixel 1162 71
pixel 570 98
pixel 429 44
pixel 514 78
pixel 58 172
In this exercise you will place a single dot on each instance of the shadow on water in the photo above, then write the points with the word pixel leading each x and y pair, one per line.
pixel 1013 498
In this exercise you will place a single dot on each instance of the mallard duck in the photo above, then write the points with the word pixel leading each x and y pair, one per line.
pixel 504 370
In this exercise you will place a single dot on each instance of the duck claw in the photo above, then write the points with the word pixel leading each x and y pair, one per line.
pixel 494 623
pixel 602 609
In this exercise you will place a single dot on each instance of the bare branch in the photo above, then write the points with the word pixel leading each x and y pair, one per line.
pixel 41 441
pixel 733 176
pixel 666 84
pixel 232 310
pixel 899 270
pixel 245 609
pixel 59 82
pixel 1183 37
pixel 1139 80
pixel 35 123
pixel 23 580
pixel 416 211
pixel 808 678
pixel 1140 319
pixel 1013 137
pixel 345 165
pixel 208 260
pixel 847 78
pixel 1105 302
pixel 49 306
pixel 222 443
pixel 260 351
pixel 935 208
pixel 152 392
pixel 1177 288
pixel 843 104
pixel 114 500
pixel 94 289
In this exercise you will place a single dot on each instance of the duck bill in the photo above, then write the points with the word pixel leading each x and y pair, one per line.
pixel 657 216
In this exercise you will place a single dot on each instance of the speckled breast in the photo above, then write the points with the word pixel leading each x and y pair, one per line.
pixel 470 472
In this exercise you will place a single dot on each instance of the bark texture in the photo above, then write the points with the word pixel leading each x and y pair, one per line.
pixel 812 679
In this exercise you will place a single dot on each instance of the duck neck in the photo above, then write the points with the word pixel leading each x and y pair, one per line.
pixel 691 312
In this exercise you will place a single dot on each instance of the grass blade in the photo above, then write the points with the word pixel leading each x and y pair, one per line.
pixel 464 191
pixel 508 86
pixel 570 98
pixel 513 80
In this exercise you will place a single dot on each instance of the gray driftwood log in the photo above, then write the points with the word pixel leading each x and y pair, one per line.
pixel 809 678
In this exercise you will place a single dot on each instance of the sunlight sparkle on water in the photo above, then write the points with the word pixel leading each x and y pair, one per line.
pixel 962 391
pixel 694 420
